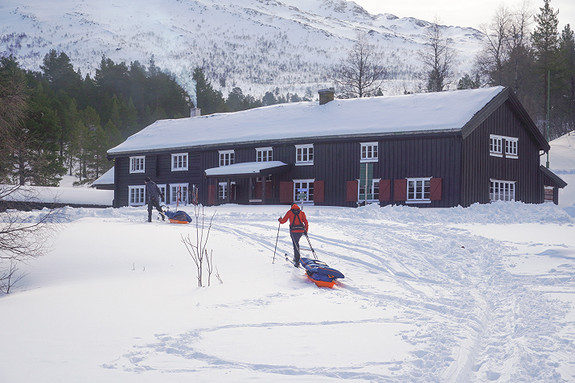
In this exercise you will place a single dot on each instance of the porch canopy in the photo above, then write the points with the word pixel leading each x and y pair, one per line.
pixel 248 169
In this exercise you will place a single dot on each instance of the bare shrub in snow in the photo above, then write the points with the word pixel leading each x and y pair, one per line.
pixel 197 247
pixel 23 236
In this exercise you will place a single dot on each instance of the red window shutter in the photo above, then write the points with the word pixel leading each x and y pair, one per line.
pixel 435 186
pixel 400 190
pixel 318 191
pixel 384 190
pixel 211 194
pixel 351 191
pixel 286 192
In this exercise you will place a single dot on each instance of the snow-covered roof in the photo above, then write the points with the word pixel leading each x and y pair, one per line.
pixel 106 178
pixel 243 168
pixel 363 116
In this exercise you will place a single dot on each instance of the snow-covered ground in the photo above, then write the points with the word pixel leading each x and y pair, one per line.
pixel 480 294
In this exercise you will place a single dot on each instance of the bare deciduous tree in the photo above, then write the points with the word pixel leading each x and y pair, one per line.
pixel 22 237
pixel 438 58
pixel 361 74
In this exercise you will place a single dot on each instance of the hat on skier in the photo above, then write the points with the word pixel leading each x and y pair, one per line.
pixel 147 179
pixel 295 207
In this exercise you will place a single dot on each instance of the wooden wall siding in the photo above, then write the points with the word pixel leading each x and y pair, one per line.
pixel 411 157
pixel 479 167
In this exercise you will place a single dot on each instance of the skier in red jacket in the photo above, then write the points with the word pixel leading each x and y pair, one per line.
pixel 298 226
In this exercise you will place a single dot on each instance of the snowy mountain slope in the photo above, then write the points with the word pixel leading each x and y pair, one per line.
pixel 254 44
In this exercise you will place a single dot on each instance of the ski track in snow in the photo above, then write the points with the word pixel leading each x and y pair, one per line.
pixel 491 320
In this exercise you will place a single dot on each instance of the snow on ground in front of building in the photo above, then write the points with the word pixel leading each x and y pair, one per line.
pixel 478 294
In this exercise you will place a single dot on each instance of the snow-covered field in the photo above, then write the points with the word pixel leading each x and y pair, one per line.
pixel 480 294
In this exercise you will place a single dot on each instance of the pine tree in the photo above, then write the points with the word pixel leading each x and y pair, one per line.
pixel 545 39
pixel 13 104
pixel 209 100
pixel 566 104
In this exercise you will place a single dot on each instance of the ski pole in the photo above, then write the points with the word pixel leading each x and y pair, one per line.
pixel 277 236
pixel 309 242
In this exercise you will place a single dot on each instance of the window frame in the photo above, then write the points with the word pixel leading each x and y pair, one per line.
pixel 174 192
pixel 163 189
pixel 511 147
pixel 421 190
pixel 367 155
pixel 373 190
pixel 500 146
pixel 226 157
pixel 264 154
pixel 306 181
pixel 140 196
pixel 497 189
pixel 137 164
pixel 495 145
pixel 306 156
pixel 177 165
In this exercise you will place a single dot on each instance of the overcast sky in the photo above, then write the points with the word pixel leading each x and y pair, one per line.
pixel 465 13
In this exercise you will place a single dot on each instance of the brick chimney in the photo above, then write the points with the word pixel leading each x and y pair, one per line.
pixel 326 95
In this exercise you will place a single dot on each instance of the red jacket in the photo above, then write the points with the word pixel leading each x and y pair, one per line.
pixel 297 220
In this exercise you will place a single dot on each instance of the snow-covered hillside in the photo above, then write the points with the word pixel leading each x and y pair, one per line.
pixel 254 44
pixel 482 294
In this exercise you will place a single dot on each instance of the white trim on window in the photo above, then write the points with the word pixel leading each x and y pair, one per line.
pixel 511 146
pixel 503 144
pixel 304 154
pixel 369 151
pixel 179 191
pixel 303 190
pixel 138 164
pixel 373 191
pixel 500 190
pixel 162 188
pixel 264 154
pixel 495 145
pixel 418 190
pixel 222 190
pixel 136 195
pixel 227 157
pixel 179 162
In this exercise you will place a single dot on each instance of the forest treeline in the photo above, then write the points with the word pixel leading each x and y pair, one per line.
pixel 56 121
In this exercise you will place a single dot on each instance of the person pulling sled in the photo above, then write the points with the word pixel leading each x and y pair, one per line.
pixel 153 192
pixel 298 226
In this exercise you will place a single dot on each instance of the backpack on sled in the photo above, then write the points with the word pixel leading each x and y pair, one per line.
pixel 178 216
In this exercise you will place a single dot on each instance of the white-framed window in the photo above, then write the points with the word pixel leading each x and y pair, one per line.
pixel 501 190
pixel 369 151
pixel 264 154
pixel 511 145
pixel 136 195
pixel 303 190
pixel 162 188
pixel 304 154
pixel 179 194
pixel 499 144
pixel 138 164
pixel 227 157
pixel 372 192
pixel 222 190
pixel 418 190
pixel 179 162
pixel 496 145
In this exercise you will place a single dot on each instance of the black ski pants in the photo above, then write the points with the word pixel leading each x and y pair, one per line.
pixel 153 202
pixel 295 237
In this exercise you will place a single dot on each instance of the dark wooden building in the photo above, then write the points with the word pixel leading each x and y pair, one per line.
pixel 435 149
